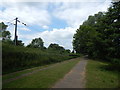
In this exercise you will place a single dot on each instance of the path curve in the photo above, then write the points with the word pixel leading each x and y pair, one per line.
pixel 75 78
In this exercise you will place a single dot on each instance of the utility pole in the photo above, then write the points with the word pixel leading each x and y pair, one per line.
pixel 16 37
pixel 16 19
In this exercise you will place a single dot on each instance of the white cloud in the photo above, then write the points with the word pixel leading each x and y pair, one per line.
pixel 55 0
pixel 24 29
pixel 75 13
pixel 45 27
pixel 62 37
pixel 30 13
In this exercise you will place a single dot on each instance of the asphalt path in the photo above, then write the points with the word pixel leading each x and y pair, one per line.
pixel 75 78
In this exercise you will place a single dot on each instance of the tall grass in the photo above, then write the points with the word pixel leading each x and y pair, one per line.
pixel 16 58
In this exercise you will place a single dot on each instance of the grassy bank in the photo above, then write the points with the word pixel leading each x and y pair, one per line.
pixel 99 76
pixel 16 58
pixel 45 78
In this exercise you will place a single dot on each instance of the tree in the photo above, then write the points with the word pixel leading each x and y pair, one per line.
pixel 86 35
pixel 99 36
pixel 67 51
pixel 3 27
pixel 36 43
pixel 6 35
pixel 111 31
pixel 56 47
pixel 19 43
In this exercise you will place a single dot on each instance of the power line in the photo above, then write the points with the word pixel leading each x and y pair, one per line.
pixel 10 22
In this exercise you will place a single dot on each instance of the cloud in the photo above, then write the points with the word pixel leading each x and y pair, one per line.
pixel 55 0
pixel 75 13
pixel 45 27
pixel 62 37
pixel 24 29
pixel 30 13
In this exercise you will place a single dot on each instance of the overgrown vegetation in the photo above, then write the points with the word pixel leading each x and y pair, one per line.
pixel 99 36
pixel 18 57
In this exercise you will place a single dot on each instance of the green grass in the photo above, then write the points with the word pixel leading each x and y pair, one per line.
pixel 18 73
pixel 45 78
pixel 97 76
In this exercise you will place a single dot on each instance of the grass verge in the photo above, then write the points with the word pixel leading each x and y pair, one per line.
pixel 97 76
pixel 45 78
pixel 18 73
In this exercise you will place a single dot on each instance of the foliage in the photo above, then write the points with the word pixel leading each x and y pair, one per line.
pixel 3 33
pixel 36 43
pixel 3 26
pixel 56 47
pixel 6 35
pixel 20 43
pixel 67 50
pixel 99 36
pixel 17 57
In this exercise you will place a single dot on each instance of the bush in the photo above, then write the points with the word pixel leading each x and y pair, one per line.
pixel 16 58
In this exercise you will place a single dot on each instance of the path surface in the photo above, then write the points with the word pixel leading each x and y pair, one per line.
pixel 75 78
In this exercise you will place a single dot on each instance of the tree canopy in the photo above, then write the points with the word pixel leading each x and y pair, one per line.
pixel 56 47
pixel 99 36
pixel 3 26
pixel 36 43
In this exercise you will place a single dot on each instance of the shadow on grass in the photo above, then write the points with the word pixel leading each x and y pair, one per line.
pixel 111 68
pixel 108 66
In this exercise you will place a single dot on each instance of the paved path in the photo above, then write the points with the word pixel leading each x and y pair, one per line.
pixel 75 78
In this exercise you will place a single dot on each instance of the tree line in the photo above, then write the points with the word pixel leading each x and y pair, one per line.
pixel 35 43
pixel 99 36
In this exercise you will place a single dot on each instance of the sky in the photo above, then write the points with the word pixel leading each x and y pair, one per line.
pixel 55 21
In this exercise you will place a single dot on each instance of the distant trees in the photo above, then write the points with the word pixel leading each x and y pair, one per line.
pixel 56 47
pixel 99 36
pixel 68 51
pixel 36 43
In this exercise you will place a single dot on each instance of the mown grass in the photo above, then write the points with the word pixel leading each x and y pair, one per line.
pixel 45 78
pixel 16 58
pixel 18 73
pixel 98 76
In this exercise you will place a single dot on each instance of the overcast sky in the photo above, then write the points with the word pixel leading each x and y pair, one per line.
pixel 54 22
